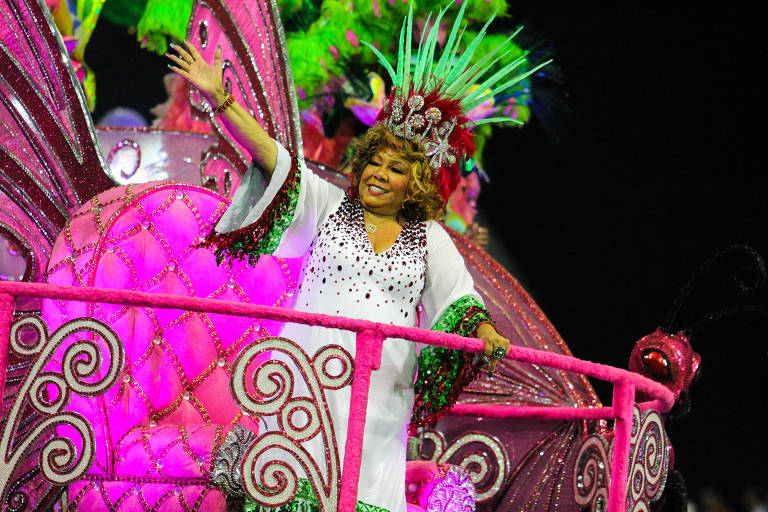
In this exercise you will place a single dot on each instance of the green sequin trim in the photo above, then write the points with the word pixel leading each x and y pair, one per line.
pixel 303 501
pixel 456 320
pixel 443 372
pixel 284 218
pixel 264 235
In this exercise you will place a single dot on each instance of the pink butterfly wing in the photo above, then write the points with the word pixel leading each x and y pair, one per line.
pixel 49 160
pixel 256 71
pixel 49 166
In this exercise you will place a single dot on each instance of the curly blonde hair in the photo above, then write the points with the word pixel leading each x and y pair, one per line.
pixel 422 200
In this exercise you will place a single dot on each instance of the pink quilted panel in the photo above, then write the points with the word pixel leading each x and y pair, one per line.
pixel 124 496
pixel 169 451
pixel 176 378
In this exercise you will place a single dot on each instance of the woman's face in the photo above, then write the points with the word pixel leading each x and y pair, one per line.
pixel 384 183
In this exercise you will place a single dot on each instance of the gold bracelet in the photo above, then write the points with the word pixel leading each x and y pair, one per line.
pixel 225 105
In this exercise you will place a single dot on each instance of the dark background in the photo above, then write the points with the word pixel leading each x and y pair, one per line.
pixel 655 165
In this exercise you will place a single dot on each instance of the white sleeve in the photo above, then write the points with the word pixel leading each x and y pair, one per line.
pixel 448 283
pixel 451 304
pixel 283 217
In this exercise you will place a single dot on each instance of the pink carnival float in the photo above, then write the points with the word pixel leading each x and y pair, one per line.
pixel 135 371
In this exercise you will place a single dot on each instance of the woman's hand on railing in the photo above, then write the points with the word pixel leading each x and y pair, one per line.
pixel 494 344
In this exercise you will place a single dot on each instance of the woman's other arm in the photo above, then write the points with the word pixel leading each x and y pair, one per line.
pixel 450 289
pixel 241 125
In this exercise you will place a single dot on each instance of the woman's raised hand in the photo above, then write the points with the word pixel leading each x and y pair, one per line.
pixel 240 123
pixel 191 65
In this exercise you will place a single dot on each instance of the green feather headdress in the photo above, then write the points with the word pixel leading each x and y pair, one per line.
pixel 430 99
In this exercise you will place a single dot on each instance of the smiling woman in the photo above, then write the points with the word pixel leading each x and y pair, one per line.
pixel 375 252
pixel 382 154
pixel 380 273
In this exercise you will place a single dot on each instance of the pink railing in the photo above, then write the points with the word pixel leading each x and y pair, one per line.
pixel 370 339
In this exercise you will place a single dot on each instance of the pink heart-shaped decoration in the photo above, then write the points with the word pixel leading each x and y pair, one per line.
pixel 143 237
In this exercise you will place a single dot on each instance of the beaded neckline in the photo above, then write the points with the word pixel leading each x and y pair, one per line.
pixel 359 221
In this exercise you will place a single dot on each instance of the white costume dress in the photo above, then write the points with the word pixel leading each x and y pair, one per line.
pixel 342 275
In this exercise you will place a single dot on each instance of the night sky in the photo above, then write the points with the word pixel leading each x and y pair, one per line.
pixel 654 165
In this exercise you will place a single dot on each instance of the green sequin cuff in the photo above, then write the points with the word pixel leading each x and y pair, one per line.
pixel 443 372
pixel 304 501
pixel 264 235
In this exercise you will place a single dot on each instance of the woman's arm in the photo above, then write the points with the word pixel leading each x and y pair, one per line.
pixel 451 304
pixel 450 291
pixel 241 125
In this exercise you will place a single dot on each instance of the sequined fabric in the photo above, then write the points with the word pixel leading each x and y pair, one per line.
pixel 262 236
pixel 304 501
pixel 344 276
pixel 342 262
pixel 444 372
pixel 226 467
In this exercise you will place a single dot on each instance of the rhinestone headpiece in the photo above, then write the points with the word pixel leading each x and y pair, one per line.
pixel 422 125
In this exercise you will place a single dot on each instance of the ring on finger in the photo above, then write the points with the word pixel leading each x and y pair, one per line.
pixel 499 352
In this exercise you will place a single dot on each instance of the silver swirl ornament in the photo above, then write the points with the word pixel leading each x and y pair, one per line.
pixel 592 473
pixel 648 460
pixel 270 392
pixel 48 392
pixel 482 456
pixel 648 465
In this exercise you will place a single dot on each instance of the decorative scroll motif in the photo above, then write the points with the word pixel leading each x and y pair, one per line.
pixel 47 393
pixel 648 465
pixel 592 473
pixel 481 455
pixel 648 460
pixel 271 394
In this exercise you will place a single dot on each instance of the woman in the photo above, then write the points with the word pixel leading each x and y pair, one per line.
pixel 374 253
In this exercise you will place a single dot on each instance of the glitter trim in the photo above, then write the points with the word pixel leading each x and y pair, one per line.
pixel 304 501
pixel 444 372
pixel 264 235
